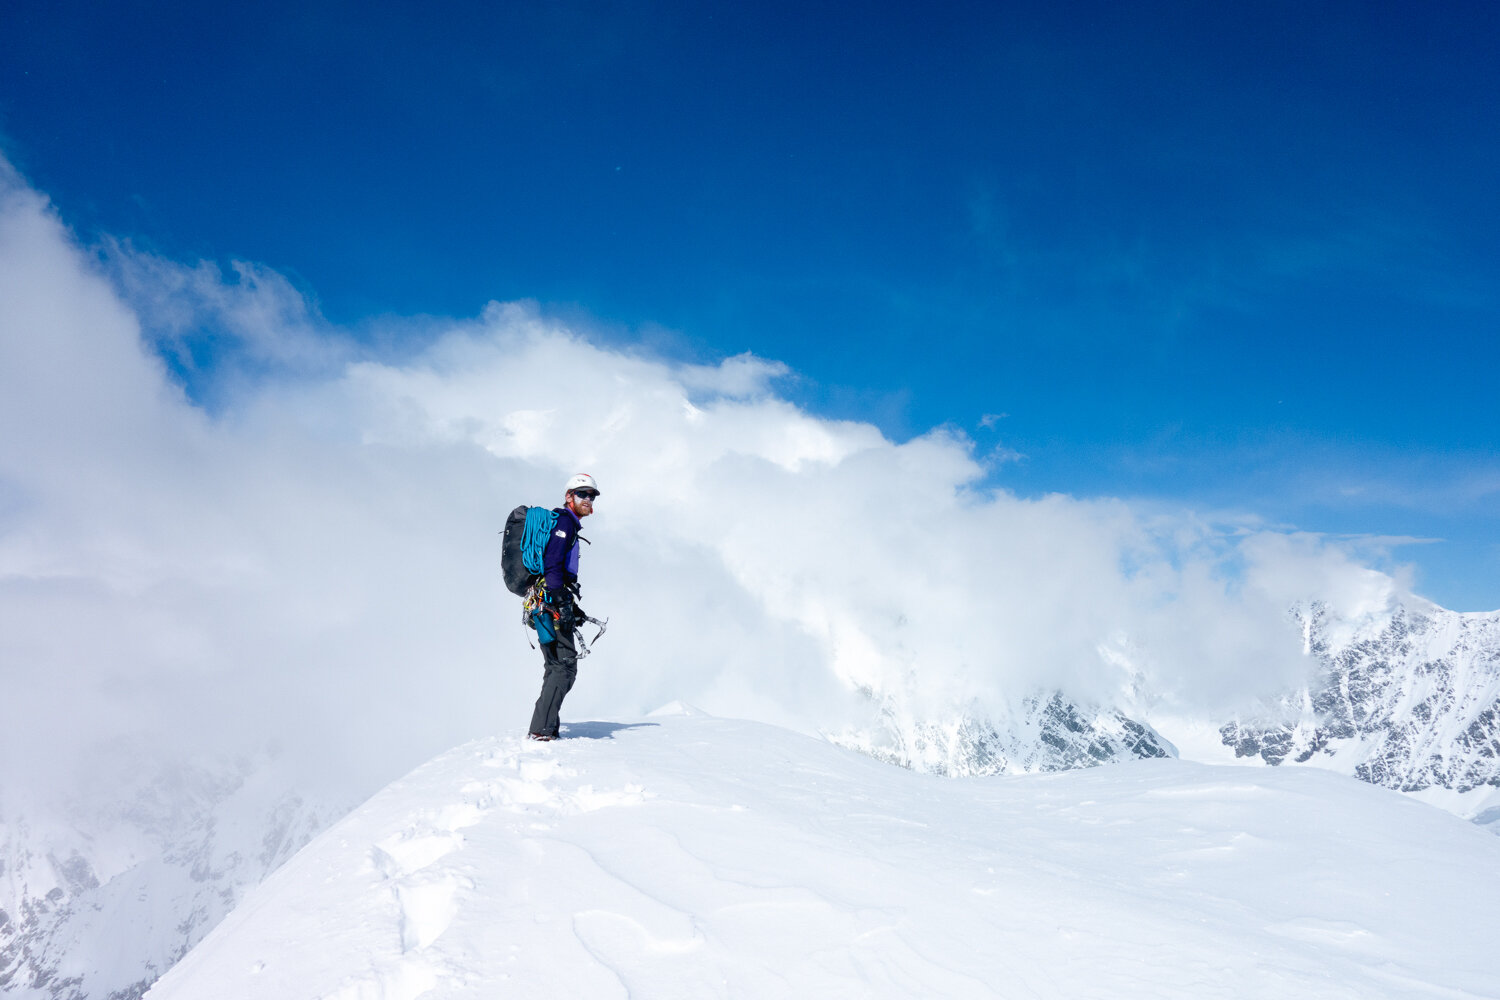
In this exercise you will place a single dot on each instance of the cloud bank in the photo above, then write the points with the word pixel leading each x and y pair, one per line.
pixel 314 563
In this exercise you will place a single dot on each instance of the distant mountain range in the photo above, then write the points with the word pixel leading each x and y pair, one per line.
pixel 1050 732
pixel 1409 701
pixel 102 905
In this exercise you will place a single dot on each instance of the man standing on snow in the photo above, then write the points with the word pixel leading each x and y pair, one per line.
pixel 559 616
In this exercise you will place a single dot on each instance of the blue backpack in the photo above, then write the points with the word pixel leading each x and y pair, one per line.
pixel 526 532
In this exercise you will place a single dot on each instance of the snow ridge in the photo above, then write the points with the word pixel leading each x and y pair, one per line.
pixel 414 877
pixel 693 857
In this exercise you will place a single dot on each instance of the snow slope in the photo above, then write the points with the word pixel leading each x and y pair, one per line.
pixel 689 856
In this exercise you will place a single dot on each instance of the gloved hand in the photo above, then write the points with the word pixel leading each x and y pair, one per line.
pixel 567 614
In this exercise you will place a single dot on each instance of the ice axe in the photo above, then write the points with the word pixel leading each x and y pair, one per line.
pixel 583 647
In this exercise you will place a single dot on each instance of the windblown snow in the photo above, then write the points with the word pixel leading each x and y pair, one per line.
pixel 689 856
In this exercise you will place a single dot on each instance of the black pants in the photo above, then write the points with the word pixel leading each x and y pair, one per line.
pixel 559 670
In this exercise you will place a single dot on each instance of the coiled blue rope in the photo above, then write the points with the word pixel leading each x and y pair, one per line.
pixel 539 524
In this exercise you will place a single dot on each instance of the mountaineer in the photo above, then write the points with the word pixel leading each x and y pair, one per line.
pixel 557 615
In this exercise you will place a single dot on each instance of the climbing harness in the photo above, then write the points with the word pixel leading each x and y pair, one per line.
pixel 536 602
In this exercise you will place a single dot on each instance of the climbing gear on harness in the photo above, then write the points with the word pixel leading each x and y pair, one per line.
pixel 546 617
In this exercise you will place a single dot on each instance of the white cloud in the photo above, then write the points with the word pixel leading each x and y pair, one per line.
pixel 259 313
pixel 319 561
pixel 741 376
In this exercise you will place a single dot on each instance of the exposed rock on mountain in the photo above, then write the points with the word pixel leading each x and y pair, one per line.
pixel 1049 733
pixel 100 902
pixel 1411 702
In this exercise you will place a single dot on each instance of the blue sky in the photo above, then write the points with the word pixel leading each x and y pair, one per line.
pixel 1229 256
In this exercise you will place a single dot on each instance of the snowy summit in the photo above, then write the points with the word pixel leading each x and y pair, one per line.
pixel 689 856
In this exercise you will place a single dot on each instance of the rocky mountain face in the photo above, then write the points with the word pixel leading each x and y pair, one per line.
pixel 98 902
pixel 1049 732
pixel 1411 702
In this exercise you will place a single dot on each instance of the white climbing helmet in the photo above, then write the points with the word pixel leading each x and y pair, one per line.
pixel 582 481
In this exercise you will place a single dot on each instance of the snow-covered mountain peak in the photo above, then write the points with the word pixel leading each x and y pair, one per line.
pixel 1411 702
pixel 690 856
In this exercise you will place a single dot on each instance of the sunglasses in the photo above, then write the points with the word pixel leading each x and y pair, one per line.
pixel 589 495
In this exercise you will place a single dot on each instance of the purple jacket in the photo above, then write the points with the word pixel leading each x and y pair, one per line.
pixel 560 558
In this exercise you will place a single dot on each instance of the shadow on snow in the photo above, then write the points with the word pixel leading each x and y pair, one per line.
pixel 599 730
